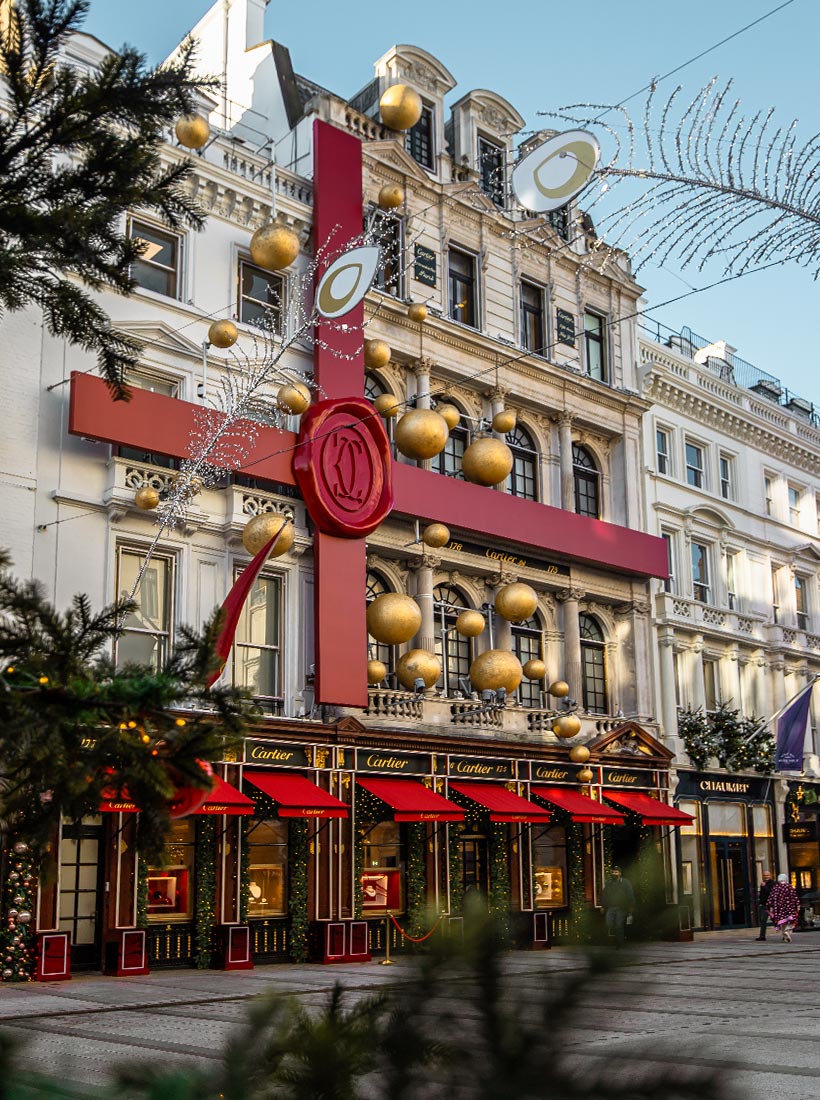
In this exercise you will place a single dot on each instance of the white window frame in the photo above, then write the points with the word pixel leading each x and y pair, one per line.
pixel 663 457
pixel 170 558
pixel 727 484
pixel 281 580
pixel 701 470
pixel 151 223
pixel 701 584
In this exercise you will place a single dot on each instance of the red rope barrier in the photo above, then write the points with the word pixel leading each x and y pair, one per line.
pixel 417 939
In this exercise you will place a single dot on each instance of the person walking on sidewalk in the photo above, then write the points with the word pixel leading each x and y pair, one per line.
pixel 784 907
pixel 766 887
pixel 618 900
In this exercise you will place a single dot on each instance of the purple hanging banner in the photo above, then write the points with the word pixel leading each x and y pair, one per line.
pixel 791 733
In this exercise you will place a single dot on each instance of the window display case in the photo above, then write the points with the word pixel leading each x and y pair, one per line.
pixel 266 890
pixel 381 890
pixel 549 887
pixel 168 893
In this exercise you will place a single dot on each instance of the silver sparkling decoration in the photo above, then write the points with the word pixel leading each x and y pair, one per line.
pixel 24 916
pixel 20 848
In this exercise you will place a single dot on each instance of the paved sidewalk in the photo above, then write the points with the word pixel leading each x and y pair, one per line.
pixel 724 999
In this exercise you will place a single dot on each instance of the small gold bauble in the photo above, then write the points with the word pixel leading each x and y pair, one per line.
pixel 435 535
pixel 417 311
pixel 516 602
pixel 391 196
pixel 470 624
pixel 146 498
pixel 535 669
pixel 376 354
pixel 193 131
pixel 400 107
pixel 579 754
pixel 559 689
pixel 504 421
pixel 274 246
pixel 494 669
pixel 449 414
pixel 295 397
pixel 393 618
pixel 487 461
pixel 418 664
pixel 376 672
pixel 421 433
pixel 262 528
pixel 223 334
pixel 566 726
pixel 387 405
pixel 585 775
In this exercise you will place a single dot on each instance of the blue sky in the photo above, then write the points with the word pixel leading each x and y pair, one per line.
pixel 540 55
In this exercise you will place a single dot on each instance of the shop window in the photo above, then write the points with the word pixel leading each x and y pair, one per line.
pixel 595 346
pixel 727 819
pixel 549 860
pixel 523 478
pixel 267 856
pixel 419 140
pixel 462 285
pixel 146 635
pixel 389 233
pixel 261 296
pixel 171 888
pixel 587 482
pixel 378 651
pixel 593 666
pixel 158 267
pixel 257 651
pixel 382 869
pixel 691 867
pixel 448 603
pixel 533 337
pixel 528 645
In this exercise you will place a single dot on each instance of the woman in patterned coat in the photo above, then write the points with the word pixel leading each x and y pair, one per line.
pixel 784 907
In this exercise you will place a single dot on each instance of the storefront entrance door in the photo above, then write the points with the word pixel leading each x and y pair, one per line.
pixel 474 866
pixel 730 874
pixel 81 896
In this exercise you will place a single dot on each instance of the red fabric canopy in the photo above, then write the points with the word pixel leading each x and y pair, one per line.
pixel 411 800
pixel 225 799
pixel 112 802
pixel 297 796
pixel 580 806
pixel 651 810
pixel 503 805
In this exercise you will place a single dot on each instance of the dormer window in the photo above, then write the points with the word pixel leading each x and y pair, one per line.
pixel 491 170
pixel 419 142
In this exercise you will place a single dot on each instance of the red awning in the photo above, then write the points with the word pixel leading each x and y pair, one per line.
pixel 652 811
pixel 225 799
pixel 296 796
pixel 113 802
pixel 503 805
pixel 411 800
pixel 579 806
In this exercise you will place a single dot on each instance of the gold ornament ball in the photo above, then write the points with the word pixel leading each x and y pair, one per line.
pixel 579 754
pixel 391 196
pixel 559 689
pixel 146 498
pixel 376 354
pixel 487 461
pixel 295 397
pixel 516 602
pixel 535 669
pixel 566 726
pixel 274 246
pixel 387 405
pixel 435 535
pixel 470 624
pixel 585 775
pixel 262 528
pixel 418 663
pixel 193 131
pixel 223 334
pixel 400 107
pixel 417 311
pixel 449 414
pixel 393 618
pixel 421 433
pixel 494 669
pixel 376 672
pixel 504 421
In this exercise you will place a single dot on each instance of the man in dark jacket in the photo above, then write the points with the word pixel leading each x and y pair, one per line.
pixel 763 903
pixel 618 900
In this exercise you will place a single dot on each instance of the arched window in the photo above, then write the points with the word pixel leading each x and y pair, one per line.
pixel 593 665
pixel 587 482
pixel 448 603
pixel 378 651
pixel 528 645
pixel 373 386
pixel 448 461
pixel 523 479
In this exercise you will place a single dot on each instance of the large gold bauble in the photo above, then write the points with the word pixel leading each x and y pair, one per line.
pixel 566 726
pixel 487 461
pixel 449 414
pixel 387 405
pixel 585 775
pixel 376 354
pixel 391 196
pixel 504 421
pixel 470 624
pixel 418 664
pixel 535 669
pixel 417 311
pixel 435 535
pixel 146 498
pixel 223 334
pixel 274 246
pixel 192 131
pixel 579 754
pixel 393 618
pixel 295 397
pixel 559 689
pixel 494 669
pixel 262 528
pixel 376 672
pixel 516 602
pixel 400 107
pixel 421 433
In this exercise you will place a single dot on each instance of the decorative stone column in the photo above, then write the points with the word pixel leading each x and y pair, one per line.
pixel 694 674
pixel 565 457
pixel 668 707
pixel 421 368
pixel 570 598
pixel 777 669
pixel 634 686
pixel 502 629
pixel 423 568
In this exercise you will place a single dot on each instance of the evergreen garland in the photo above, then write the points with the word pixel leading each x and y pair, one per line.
pixel 500 899
pixel 456 862
pixel 579 910
pixel 244 871
pixel 17 945
pixel 737 742
pixel 205 897
pixel 416 904
pixel 298 859
pixel 142 892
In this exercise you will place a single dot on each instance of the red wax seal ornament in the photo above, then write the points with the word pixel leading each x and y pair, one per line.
pixel 186 800
pixel 343 467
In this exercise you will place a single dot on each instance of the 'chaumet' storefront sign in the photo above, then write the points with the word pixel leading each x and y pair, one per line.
pixel 704 785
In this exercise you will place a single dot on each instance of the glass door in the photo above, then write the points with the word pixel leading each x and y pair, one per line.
pixel 474 867
pixel 81 894
pixel 729 879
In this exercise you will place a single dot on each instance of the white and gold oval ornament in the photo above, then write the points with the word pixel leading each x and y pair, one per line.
pixel 554 172
pixel 346 281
